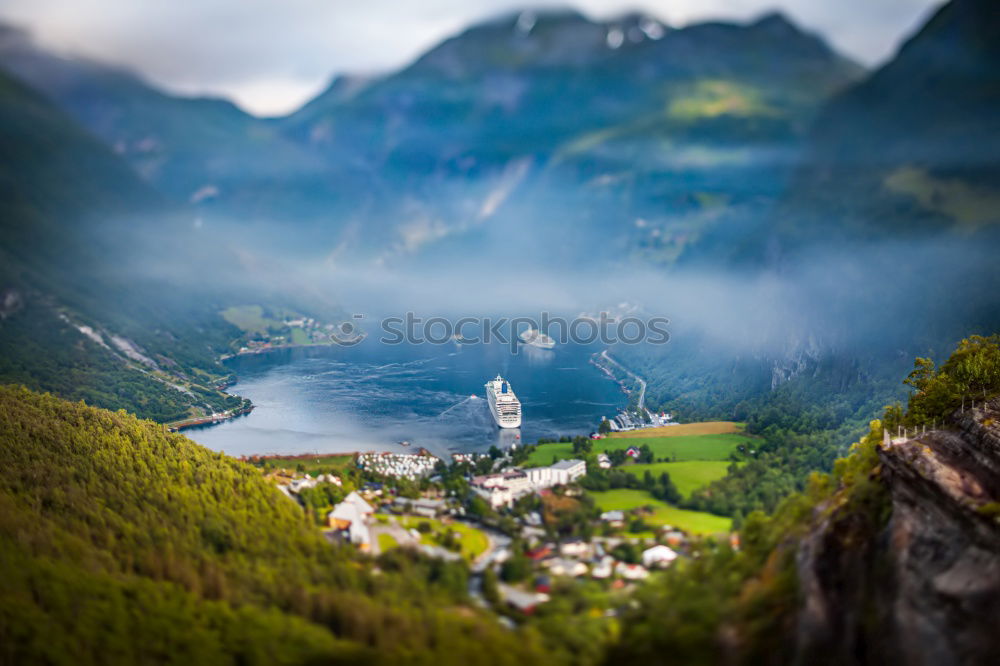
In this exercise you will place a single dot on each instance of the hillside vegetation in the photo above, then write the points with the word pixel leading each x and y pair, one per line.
pixel 123 543
pixel 78 229
pixel 851 569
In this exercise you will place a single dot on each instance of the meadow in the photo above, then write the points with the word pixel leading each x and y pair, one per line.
pixel 474 542
pixel 308 463
pixel 688 475
pixel 672 443
pixel 695 522
pixel 693 454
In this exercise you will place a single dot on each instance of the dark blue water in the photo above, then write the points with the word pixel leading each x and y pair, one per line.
pixel 372 396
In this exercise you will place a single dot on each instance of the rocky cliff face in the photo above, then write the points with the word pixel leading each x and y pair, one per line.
pixel 913 575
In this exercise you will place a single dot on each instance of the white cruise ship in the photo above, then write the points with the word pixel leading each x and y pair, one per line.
pixel 536 338
pixel 504 405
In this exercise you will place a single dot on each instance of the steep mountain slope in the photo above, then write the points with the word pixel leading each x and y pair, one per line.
pixel 525 84
pixel 122 543
pixel 915 148
pixel 202 151
pixel 79 313
pixel 922 589
pixel 543 123
pixel 889 224
pixel 611 137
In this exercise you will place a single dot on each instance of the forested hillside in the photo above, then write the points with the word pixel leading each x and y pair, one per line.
pixel 122 543
pixel 890 558
pixel 82 313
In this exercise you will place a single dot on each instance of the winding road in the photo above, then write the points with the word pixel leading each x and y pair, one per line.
pixel 642 382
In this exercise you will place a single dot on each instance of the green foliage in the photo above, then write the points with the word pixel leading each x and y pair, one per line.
pixel 971 373
pixel 122 543
pixel 752 593
pixel 76 226
pixel 657 512
pixel 491 589
pixel 515 568
pixel 653 447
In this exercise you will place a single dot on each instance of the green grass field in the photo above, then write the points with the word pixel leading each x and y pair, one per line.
pixel 249 318
pixel 474 542
pixel 386 542
pixel 679 448
pixel 688 476
pixel 546 453
pixel 696 522
pixel 313 464
pixel 695 453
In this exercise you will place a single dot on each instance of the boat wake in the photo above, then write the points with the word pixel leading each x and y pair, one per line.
pixel 460 403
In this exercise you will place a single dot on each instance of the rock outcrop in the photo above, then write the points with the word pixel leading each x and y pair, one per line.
pixel 912 577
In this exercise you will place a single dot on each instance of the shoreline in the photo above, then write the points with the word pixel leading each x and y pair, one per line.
pixel 296 456
pixel 213 419
pixel 270 348
pixel 607 371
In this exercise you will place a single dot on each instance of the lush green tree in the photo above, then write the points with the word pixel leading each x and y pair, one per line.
pixel 124 543
pixel 515 568
pixel 491 589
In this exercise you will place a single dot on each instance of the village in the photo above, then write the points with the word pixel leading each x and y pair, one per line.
pixel 525 531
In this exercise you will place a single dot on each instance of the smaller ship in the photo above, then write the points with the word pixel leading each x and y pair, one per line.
pixel 405 442
pixel 536 338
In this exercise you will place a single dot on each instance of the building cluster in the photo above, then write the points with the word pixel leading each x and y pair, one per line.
pixel 470 458
pixel 398 465
pixel 421 506
pixel 293 486
pixel 576 558
pixel 629 421
pixel 504 488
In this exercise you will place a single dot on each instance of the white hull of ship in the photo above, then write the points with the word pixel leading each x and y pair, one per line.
pixel 504 421
pixel 504 405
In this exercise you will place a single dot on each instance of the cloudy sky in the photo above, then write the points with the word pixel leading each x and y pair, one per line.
pixel 271 55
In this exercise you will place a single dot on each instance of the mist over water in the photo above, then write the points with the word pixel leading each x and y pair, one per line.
pixel 372 396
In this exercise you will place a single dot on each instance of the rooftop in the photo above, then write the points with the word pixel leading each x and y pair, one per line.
pixel 567 464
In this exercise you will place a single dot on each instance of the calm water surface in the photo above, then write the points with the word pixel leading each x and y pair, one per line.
pixel 372 396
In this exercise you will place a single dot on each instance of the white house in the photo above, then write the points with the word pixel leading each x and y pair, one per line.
pixel 516 481
pixel 298 485
pixel 573 469
pixel 561 473
pixel 497 496
pixel 575 548
pixel 351 518
pixel 603 461
pixel 604 568
pixel 631 571
pixel 562 567
pixel 658 556
pixel 615 517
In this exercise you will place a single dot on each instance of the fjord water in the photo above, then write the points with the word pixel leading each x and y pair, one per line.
pixel 372 396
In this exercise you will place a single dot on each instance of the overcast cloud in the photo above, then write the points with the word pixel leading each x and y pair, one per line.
pixel 272 55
